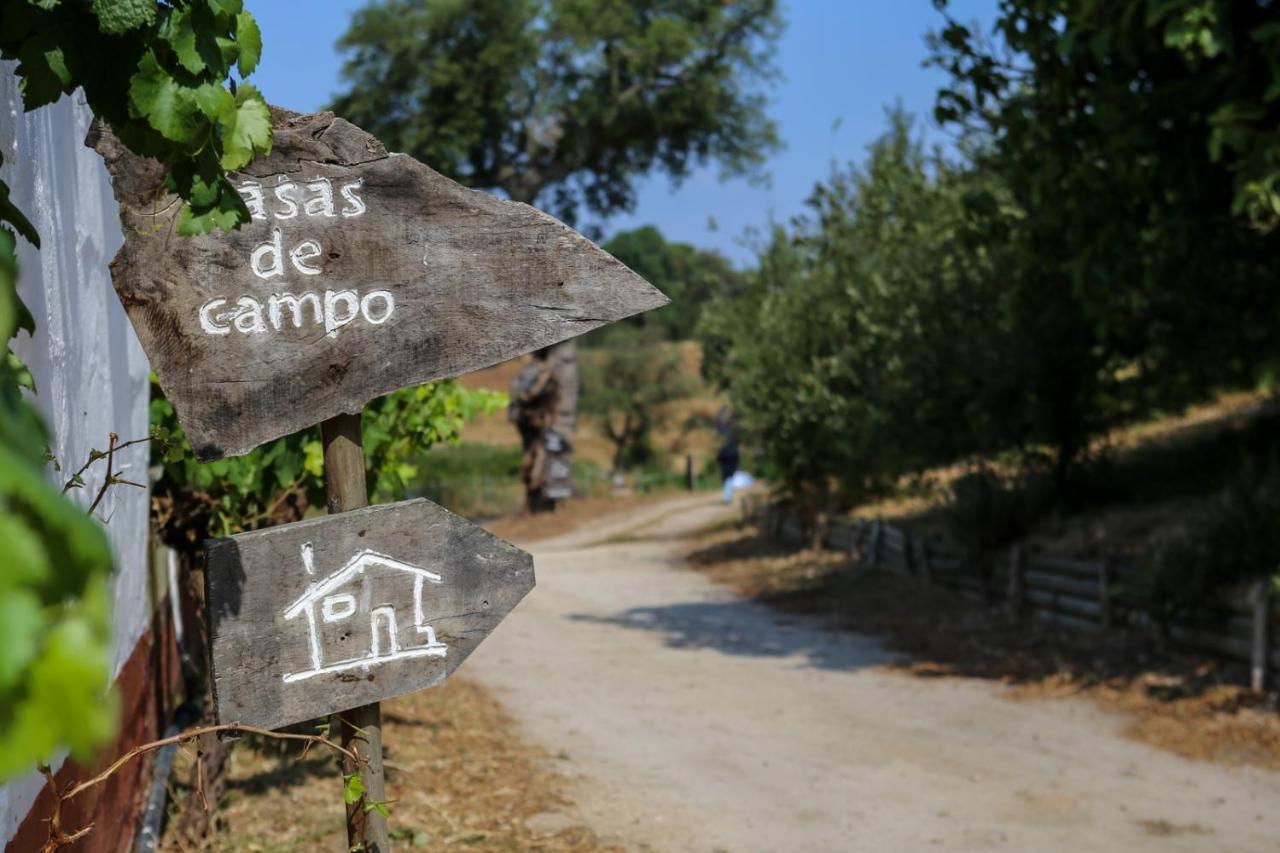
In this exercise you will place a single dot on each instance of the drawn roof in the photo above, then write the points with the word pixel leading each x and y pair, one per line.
pixel 356 565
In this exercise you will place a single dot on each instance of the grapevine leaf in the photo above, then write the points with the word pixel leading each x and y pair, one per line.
pixel 180 33
pixel 353 790
pixel 229 51
pixel 42 65
pixel 197 181
pixel 67 702
pixel 249 37
pixel 227 213
pixel 10 213
pixel 226 7
pixel 246 129
pixel 21 623
pixel 214 100
pixel 14 315
pixel 120 16
pixel 27 556
pixel 167 106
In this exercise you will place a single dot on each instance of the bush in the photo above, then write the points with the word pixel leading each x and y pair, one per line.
pixel 1236 541
pixel 990 511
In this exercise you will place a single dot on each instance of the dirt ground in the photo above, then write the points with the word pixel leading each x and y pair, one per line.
pixel 694 719
pixel 1188 704
pixel 458 776
pixel 631 703
pixel 569 516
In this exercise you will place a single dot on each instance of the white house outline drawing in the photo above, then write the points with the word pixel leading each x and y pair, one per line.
pixel 335 606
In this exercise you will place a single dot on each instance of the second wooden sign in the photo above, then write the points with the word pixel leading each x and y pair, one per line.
pixel 328 614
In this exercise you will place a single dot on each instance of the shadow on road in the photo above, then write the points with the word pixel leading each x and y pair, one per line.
pixel 747 629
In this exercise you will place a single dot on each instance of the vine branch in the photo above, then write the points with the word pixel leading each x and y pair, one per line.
pixel 76 480
pixel 59 838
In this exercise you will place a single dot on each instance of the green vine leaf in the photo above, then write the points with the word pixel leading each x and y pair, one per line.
pixel 9 213
pixel 249 38
pixel 226 213
pixel 353 790
pixel 42 65
pixel 180 33
pixel 120 16
pixel 226 7
pixel 168 107
pixel 246 129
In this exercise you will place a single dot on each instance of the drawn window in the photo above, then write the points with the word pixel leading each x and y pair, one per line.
pixel 337 607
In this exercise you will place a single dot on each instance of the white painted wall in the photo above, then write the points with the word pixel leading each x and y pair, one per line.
pixel 90 372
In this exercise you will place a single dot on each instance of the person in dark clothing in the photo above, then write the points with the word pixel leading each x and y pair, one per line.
pixel 729 456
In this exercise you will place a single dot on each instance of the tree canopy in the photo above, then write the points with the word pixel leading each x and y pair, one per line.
pixel 687 275
pixel 1098 247
pixel 564 103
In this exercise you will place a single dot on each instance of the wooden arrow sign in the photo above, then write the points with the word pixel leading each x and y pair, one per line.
pixel 362 272
pixel 311 618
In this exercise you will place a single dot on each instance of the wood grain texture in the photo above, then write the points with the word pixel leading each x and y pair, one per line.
pixel 475 281
pixel 264 666
pixel 360 728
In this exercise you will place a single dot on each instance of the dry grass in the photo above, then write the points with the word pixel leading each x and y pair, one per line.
pixel 1182 703
pixel 458 776
pixel 925 494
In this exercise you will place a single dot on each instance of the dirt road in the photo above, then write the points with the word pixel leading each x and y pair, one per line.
pixel 693 720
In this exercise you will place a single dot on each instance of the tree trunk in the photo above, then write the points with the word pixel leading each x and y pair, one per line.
pixel 563 361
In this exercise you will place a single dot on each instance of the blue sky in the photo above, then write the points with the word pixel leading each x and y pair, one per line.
pixel 842 63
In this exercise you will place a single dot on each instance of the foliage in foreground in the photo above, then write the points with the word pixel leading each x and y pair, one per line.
pixel 55 631
pixel 161 75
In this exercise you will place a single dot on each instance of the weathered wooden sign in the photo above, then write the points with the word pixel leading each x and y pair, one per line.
pixel 362 272
pixel 349 609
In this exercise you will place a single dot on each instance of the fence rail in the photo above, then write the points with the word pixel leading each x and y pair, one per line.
pixel 1081 594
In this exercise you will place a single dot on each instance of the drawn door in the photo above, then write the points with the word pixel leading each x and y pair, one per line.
pixel 382 622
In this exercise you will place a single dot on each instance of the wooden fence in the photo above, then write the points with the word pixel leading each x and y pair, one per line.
pixel 1089 595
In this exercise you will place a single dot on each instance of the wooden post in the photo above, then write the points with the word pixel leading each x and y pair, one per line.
pixel 360 728
pixel 1104 593
pixel 922 548
pixel 1261 642
pixel 874 547
pixel 690 482
pixel 1017 582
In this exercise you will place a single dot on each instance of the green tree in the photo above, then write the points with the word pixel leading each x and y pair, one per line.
pixel 1137 147
pixel 563 103
pixel 860 348
pixel 688 276
pixel 628 385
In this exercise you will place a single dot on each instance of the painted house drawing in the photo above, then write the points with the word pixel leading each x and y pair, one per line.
pixel 346 630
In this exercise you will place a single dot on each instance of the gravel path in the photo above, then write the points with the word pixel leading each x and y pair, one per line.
pixel 693 720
